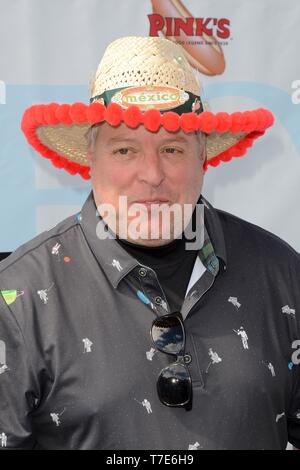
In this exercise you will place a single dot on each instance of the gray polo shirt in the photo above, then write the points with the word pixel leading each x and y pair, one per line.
pixel 77 366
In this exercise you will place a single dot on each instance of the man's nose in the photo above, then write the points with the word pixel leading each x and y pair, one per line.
pixel 151 169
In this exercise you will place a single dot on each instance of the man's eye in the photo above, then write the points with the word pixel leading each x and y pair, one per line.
pixel 172 150
pixel 122 151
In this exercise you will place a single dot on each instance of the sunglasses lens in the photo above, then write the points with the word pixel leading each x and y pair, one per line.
pixel 174 385
pixel 168 334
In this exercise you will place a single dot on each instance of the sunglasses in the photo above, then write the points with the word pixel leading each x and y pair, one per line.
pixel 174 383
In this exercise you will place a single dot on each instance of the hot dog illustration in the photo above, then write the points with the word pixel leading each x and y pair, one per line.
pixel 207 58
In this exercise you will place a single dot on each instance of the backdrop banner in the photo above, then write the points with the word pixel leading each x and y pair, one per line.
pixel 50 51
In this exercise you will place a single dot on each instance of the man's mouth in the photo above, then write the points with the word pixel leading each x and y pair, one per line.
pixel 152 201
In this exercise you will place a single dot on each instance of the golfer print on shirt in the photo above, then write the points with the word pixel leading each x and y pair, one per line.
pixel 56 417
pixel 195 446
pixel 215 358
pixel 235 302
pixel 87 345
pixel 289 311
pixel 55 250
pixel 242 333
pixel 43 293
pixel 146 404
pixel 270 367
pixel 116 264
pixel 3 439
pixel 150 354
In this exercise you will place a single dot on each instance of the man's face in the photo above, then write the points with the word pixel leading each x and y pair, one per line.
pixel 146 166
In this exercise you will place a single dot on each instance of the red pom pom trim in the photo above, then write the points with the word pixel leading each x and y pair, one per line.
pixel 253 123
pixel 188 122
pixel 170 121
pixel 133 116
pixel 152 120
pixel 95 112
pixel 113 114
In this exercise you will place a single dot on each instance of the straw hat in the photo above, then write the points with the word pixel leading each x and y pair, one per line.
pixel 140 81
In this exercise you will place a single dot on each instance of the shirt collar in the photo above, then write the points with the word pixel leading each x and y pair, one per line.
pixel 117 263
pixel 113 259
pixel 214 231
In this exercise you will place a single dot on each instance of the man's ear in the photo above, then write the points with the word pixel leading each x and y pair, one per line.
pixel 204 155
pixel 89 157
pixel 204 152
pixel 202 142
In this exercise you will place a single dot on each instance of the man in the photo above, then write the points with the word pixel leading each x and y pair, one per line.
pixel 120 333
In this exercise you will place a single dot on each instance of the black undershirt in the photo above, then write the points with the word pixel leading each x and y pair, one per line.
pixel 172 263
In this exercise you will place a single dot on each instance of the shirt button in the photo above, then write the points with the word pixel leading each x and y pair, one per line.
pixel 142 272
pixel 187 358
pixel 158 300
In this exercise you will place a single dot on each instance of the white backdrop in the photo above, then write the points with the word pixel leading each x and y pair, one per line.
pixel 49 51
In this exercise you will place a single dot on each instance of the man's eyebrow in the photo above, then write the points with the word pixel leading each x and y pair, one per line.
pixel 177 138
pixel 113 140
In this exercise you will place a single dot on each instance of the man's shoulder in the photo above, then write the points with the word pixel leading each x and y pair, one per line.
pixel 29 249
pixel 237 230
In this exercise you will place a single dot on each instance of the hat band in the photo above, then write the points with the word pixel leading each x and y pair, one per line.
pixel 163 98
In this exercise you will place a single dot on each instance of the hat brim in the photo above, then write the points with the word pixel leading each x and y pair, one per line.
pixel 57 131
